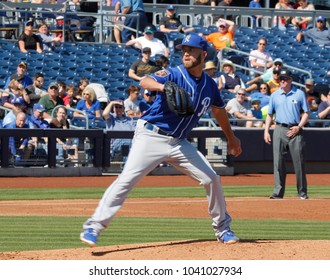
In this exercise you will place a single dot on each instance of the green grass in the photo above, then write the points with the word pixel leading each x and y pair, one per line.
pixel 147 192
pixel 44 233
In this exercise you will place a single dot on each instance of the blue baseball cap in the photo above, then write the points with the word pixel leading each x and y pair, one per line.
pixel 320 18
pixel 193 40
pixel 170 7
pixel 39 107
pixel 18 101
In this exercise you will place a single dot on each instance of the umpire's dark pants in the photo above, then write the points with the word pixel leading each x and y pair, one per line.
pixel 296 146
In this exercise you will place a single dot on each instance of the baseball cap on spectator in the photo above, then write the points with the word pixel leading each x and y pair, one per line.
pixel 18 101
pixel 277 70
pixel 53 85
pixel 221 23
pixel 278 61
pixel 16 77
pixel 170 7
pixel 28 22
pixel 146 50
pixel 193 40
pixel 255 100
pixel 285 73
pixel 149 29
pixel 22 63
pixel 309 82
pixel 320 18
pixel 39 107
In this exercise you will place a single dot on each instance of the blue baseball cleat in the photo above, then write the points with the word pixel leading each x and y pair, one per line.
pixel 89 236
pixel 228 237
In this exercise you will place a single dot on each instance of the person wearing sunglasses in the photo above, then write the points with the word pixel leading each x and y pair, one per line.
pixel 114 115
pixel 292 113
pixel 28 40
pixel 51 100
pixel 239 108
pixel 260 59
pixel 319 34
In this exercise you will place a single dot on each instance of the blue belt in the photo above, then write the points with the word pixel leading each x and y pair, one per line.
pixel 155 129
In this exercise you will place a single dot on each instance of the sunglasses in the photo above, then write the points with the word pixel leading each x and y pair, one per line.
pixel 29 24
pixel 278 64
pixel 276 73
pixel 118 107
pixel 242 94
pixel 320 21
pixel 284 79
pixel 222 26
pixel 54 88
pixel 263 88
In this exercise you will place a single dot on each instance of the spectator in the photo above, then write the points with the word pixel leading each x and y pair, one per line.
pixel 82 84
pixel 210 69
pixel 134 7
pixel 256 5
pixel 90 105
pixel 39 145
pixel 274 84
pixel 18 145
pixel 71 92
pixel 324 108
pixel 142 66
pixel 35 91
pixel 223 3
pixel 282 21
pixel 28 40
pixel 21 75
pixel 171 23
pixel 149 41
pixel 117 120
pixel 256 112
pixel 68 145
pixel 309 90
pixel 16 90
pixel 147 101
pixel 19 106
pixel 51 100
pixel 263 95
pixel 119 20
pixel 319 35
pixel 131 103
pixel 303 22
pixel 229 80
pixel 48 41
pixel 87 21
pixel 268 75
pixel 259 58
pixel 225 35
pixel 161 63
pixel 62 93
pixel 240 109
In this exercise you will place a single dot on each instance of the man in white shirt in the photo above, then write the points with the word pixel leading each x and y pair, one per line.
pixel 149 41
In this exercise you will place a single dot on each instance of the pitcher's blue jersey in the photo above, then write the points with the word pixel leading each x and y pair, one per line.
pixel 203 91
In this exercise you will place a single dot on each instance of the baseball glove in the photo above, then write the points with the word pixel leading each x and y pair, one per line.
pixel 178 100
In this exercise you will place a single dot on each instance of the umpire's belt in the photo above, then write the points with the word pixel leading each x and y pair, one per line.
pixel 154 128
pixel 286 125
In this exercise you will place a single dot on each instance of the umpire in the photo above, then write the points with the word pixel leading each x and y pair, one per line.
pixel 292 111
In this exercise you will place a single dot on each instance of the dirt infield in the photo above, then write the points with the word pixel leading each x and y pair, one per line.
pixel 243 208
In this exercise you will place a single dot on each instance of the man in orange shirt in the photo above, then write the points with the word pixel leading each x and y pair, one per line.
pixel 225 36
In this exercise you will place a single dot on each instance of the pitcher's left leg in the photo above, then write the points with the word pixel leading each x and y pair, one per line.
pixel 187 159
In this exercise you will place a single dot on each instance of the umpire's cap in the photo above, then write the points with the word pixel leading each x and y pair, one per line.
pixel 285 73
pixel 193 40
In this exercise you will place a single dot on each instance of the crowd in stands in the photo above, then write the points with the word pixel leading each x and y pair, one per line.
pixel 32 105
